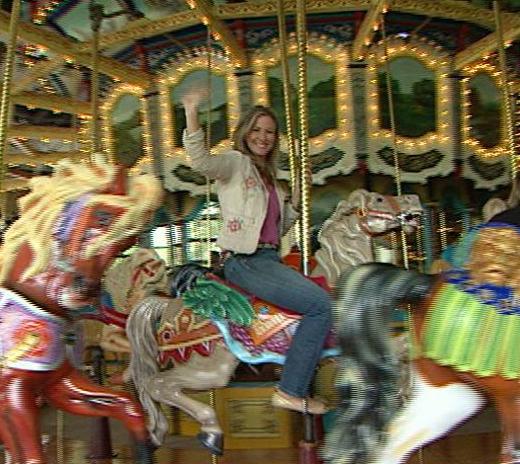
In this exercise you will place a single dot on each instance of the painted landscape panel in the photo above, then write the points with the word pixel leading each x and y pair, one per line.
pixel 127 130
pixel 321 94
pixel 216 116
pixel 414 97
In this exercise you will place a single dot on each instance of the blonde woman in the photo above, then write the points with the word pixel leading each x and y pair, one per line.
pixel 256 212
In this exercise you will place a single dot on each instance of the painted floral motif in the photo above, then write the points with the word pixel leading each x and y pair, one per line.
pixel 33 327
pixel 234 225
pixel 251 182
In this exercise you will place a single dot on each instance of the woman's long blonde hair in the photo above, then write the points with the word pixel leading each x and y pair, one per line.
pixel 244 127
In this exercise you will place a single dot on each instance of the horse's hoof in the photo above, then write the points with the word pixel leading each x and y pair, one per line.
pixel 143 452
pixel 213 441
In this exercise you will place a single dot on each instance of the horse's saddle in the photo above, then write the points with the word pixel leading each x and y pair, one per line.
pixel 254 330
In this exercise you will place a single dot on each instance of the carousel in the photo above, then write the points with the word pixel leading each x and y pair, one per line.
pixel 399 125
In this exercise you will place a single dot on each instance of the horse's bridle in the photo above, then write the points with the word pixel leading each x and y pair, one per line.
pixel 364 214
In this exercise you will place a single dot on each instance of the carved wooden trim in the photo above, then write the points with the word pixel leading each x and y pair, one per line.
pixel 51 102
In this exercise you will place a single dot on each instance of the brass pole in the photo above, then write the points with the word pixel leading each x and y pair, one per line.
pixel 289 116
pixel 303 116
pixel 213 405
pixel 96 16
pixel 393 129
pixel 5 107
pixel 391 108
pixel 60 437
pixel 208 143
pixel 506 90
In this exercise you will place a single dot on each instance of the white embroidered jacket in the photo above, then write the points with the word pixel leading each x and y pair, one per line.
pixel 242 195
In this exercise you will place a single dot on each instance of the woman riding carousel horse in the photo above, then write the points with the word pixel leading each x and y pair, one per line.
pixel 71 227
pixel 195 338
pixel 256 213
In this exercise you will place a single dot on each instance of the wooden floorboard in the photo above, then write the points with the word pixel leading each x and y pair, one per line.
pixel 475 443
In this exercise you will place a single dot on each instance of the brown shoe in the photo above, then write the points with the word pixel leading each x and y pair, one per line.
pixel 305 405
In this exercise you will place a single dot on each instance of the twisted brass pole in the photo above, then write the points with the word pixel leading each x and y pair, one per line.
pixel 393 129
pixel 303 117
pixel 289 116
pixel 5 107
pixel 506 90
pixel 208 143
pixel 96 16
pixel 212 397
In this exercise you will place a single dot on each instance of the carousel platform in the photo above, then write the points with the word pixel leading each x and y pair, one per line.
pixel 476 442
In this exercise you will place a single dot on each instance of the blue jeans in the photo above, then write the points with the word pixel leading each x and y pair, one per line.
pixel 264 275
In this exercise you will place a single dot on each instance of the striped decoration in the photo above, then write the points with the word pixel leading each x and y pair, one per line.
pixel 471 336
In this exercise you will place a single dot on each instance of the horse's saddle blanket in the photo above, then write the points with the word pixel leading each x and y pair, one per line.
pixel 32 338
pixel 473 327
pixel 266 338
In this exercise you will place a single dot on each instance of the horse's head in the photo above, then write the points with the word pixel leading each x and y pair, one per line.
pixel 71 227
pixel 410 213
pixel 142 274
pixel 379 214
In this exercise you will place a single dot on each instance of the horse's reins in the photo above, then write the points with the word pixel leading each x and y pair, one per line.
pixel 363 214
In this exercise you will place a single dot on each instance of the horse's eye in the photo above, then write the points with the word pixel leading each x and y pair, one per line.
pixel 380 199
pixel 78 281
pixel 103 218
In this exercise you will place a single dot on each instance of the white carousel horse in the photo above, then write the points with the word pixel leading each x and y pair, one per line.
pixel 346 236
pixel 175 348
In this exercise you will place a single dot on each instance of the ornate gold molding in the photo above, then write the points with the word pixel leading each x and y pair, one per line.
pixel 51 102
pixel 41 69
pixel 38 35
pixel 485 46
pixel 366 30
pixel 113 68
pixel 220 32
pixel 67 49
pixel 438 62
pixel 328 51
pixel 144 28
pixel 43 132
pixel 257 8
pixel 448 9
pixel 472 144
pixel 107 108
pixel 174 76
pixel 453 9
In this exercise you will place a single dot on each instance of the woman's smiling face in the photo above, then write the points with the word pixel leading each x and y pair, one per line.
pixel 262 137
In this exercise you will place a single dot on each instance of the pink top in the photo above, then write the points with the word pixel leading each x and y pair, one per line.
pixel 269 232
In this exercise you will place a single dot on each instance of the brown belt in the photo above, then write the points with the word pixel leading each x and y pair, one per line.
pixel 267 246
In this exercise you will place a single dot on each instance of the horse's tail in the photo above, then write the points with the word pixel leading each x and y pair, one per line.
pixel 183 277
pixel 140 330
pixel 367 369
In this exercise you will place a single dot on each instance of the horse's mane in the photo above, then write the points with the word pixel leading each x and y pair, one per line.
pixel 339 233
pixel 119 282
pixel 40 209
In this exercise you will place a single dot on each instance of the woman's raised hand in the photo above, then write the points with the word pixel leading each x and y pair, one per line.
pixel 191 100
pixel 193 97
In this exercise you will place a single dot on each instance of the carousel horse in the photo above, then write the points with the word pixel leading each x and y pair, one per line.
pixel 356 221
pixel 465 332
pixel 345 240
pixel 71 226
pixel 196 341
pixel 132 279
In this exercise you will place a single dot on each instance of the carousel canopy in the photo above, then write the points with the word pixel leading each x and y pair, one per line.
pixel 143 43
